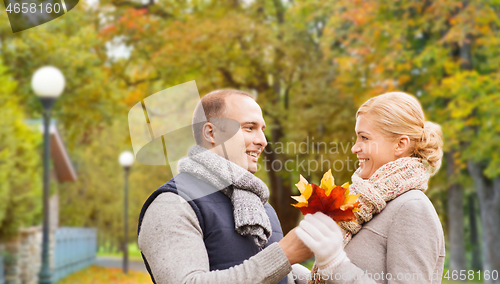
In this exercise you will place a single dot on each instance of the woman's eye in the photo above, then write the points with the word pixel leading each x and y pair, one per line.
pixel 364 138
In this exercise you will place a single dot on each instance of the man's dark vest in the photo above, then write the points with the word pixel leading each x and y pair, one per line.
pixel 225 247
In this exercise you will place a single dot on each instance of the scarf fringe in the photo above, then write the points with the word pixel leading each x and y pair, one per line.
pixel 247 193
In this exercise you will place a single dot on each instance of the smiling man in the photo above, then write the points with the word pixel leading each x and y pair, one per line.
pixel 211 223
pixel 233 111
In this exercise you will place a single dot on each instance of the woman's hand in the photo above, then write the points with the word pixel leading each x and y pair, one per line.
pixel 324 237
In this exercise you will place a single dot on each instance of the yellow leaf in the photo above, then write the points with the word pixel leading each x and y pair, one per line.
pixel 304 187
pixel 349 201
pixel 300 204
pixel 300 199
pixel 302 183
pixel 327 182
pixel 305 192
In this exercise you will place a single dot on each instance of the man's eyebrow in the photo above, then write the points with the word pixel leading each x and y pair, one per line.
pixel 249 122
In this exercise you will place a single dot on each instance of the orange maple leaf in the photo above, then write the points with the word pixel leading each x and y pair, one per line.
pixel 334 201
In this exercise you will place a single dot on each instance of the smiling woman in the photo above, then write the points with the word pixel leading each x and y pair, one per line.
pixel 392 126
pixel 397 234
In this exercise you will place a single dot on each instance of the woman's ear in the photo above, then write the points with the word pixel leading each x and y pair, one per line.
pixel 403 145
pixel 208 134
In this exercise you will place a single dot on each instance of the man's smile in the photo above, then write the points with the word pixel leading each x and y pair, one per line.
pixel 254 155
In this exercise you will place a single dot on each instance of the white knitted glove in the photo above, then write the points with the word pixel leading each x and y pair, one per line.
pixel 324 237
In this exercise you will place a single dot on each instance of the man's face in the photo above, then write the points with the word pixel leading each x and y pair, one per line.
pixel 245 147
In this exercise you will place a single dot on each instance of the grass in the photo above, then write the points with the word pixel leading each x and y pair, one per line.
pixel 104 275
pixel 133 253
pixel 308 263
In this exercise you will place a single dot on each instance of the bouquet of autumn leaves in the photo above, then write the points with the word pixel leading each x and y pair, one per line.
pixel 333 200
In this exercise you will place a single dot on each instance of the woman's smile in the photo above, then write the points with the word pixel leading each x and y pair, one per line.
pixel 372 148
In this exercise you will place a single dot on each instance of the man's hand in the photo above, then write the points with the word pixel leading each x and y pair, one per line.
pixel 294 248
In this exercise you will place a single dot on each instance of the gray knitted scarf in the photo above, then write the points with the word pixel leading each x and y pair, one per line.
pixel 247 193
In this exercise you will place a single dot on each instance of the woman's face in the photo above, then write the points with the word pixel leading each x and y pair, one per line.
pixel 372 148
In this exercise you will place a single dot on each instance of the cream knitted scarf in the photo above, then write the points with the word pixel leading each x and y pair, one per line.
pixel 247 193
pixel 387 183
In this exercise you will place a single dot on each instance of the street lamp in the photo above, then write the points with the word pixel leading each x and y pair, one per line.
pixel 48 84
pixel 126 160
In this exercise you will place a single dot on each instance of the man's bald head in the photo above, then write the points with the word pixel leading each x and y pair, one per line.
pixel 212 105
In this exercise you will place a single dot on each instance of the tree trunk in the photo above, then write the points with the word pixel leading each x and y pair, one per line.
pixel 281 187
pixel 287 214
pixel 488 193
pixel 280 179
pixel 456 217
pixel 474 235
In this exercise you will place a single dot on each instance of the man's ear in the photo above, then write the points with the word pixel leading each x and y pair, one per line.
pixel 208 133
pixel 402 146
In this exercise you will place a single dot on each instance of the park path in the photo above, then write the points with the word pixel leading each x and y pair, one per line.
pixel 117 263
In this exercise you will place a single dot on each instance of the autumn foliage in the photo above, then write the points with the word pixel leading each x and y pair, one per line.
pixel 334 201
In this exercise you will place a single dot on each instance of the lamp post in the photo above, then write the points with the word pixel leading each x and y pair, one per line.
pixel 48 84
pixel 126 160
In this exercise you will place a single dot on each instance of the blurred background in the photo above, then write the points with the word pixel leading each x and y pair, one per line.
pixel 310 64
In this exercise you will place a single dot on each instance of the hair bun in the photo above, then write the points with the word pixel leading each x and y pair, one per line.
pixel 430 146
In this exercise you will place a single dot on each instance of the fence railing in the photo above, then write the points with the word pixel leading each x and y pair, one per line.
pixel 75 249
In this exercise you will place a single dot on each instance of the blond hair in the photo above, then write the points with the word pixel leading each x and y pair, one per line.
pixel 396 114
